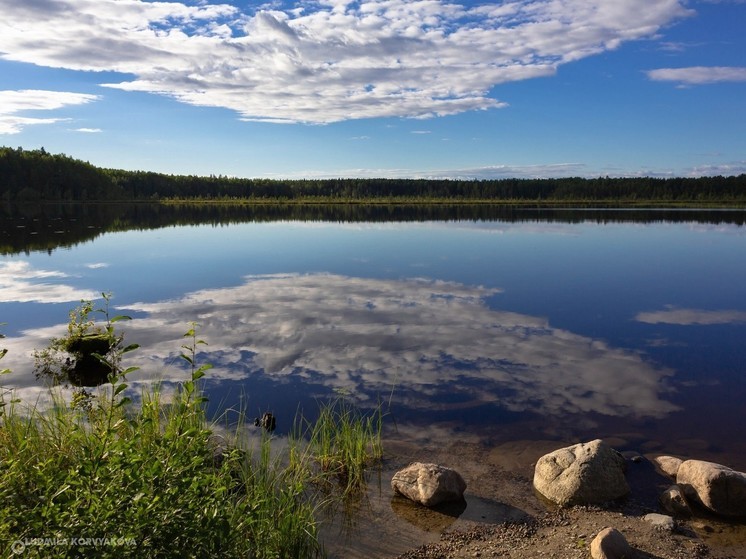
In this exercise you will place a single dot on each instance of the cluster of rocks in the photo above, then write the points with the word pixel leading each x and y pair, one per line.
pixel 593 473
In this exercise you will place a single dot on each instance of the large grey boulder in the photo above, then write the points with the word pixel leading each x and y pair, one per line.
pixel 717 487
pixel 429 484
pixel 585 473
pixel 610 543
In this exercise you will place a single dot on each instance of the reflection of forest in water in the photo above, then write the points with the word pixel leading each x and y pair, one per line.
pixel 45 227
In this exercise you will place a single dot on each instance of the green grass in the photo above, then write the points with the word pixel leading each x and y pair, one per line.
pixel 145 475
pixel 343 442
pixel 148 476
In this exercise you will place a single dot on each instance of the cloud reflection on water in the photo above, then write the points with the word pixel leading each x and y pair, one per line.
pixel 436 343
pixel 688 317
pixel 20 283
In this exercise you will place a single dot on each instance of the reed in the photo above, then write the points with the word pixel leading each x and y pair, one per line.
pixel 343 441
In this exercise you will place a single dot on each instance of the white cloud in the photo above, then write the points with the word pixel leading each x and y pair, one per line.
pixel 14 102
pixel 486 172
pixel 699 75
pixel 19 282
pixel 687 317
pixel 325 61
pixel 724 169
pixel 88 130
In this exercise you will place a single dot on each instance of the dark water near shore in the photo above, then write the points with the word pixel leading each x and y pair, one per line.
pixel 500 324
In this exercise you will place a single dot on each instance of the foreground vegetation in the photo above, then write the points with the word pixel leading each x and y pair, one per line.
pixel 36 175
pixel 100 476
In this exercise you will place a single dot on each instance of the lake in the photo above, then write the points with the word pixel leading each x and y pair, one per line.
pixel 551 325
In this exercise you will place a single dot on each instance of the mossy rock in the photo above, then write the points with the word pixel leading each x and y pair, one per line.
pixel 89 344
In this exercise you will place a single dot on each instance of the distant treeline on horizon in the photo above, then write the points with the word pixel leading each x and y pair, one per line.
pixel 36 175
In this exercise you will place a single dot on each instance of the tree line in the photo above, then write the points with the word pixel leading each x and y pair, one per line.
pixel 37 175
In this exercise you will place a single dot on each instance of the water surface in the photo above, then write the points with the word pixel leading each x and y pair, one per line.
pixel 527 326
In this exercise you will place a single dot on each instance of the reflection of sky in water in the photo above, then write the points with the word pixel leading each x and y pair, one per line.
pixel 623 321
pixel 434 343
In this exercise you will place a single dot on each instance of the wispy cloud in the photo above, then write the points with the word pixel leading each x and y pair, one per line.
pixel 88 130
pixel 686 317
pixel 15 102
pixel 325 61
pixel 699 75
pixel 677 46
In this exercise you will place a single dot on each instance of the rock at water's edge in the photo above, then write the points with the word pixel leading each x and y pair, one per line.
pixel 669 465
pixel 673 501
pixel 429 484
pixel 717 487
pixel 585 473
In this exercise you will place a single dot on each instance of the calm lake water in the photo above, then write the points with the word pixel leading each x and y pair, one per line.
pixel 566 327
pixel 506 329
pixel 498 328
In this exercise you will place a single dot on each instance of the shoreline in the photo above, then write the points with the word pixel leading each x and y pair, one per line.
pixel 503 516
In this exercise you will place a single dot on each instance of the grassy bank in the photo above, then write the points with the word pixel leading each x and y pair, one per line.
pixel 101 476
pixel 609 203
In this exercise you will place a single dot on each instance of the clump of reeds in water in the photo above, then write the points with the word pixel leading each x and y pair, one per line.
pixel 343 442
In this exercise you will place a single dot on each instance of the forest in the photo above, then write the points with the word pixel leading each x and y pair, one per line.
pixel 39 176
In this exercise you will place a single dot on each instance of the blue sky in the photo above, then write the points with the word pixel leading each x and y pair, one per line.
pixel 380 88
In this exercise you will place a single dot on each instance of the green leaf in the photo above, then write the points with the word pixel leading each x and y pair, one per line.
pixel 120 388
pixel 121 317
pixel 130 347
pixel 123 402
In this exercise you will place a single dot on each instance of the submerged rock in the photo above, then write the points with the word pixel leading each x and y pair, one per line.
pixel 585 473
pixel 716 487
pixel 429 484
